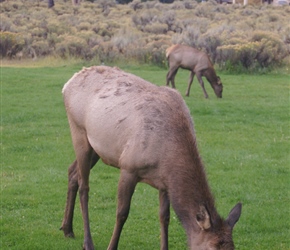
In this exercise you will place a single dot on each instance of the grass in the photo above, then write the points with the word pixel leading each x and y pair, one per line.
pixel 243 140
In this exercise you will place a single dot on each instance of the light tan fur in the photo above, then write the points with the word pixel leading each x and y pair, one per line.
pixel 169 49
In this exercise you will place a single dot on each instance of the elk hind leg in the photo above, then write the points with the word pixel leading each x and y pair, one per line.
pixel 67 223
pixel 126 187
pixel 85 156
pixel 191 76
pixel 171 76
pixel 164 215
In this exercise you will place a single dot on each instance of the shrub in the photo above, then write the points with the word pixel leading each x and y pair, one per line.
pixel 125 38
pixel 6 24
pixel 84 26
pixel 203 10
pixel 11 44
pixel 103 29
pixel 56 27
pixel 169 19
pixel 73 46
pixel 136 5
pixel 38 32
pixel 177 5
pixel 105 52
pixel 257 34
pixel 145 18
pixel 90 37
pixel 155 51
pixel 189 36
pixel 239 54
pixel 210 44
pixel 272 50
pixel 190 4
pixel 41 48
pixel 105 5
pixel 156 28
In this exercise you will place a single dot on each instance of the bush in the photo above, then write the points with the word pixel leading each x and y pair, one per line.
pixel 156 28
pixel 41 48
pixel 11 44
pixel 105 52
pixel 145 18
pixel 233 35
pixel 169 19
pixel 239 54
pixel 272 50
pixel 209 42
pixel 72 46
pixel 136 5
pixel 190 36
pixel 6 24
pixel 124 39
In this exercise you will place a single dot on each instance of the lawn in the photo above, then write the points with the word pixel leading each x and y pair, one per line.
pixel 243 139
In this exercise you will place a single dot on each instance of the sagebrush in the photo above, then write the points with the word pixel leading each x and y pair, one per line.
pixel 251 37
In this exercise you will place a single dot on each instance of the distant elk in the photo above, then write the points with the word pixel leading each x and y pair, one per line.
pixel 147 132
pixel 199 64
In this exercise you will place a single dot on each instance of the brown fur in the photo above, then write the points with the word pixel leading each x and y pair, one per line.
pixel 146 131
pixel 199 64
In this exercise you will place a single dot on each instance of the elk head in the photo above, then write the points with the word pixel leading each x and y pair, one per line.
pixel 218 88
pixel 215 234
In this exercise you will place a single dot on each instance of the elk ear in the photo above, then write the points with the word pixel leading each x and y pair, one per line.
pixel 203 218
pixel 219 80
pixel 234 215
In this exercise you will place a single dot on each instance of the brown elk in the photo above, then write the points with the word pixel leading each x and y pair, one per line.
pixel 146 131
pixel 199 64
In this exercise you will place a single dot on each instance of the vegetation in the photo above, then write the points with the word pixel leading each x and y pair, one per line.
pixel 249 38
pixel 243 139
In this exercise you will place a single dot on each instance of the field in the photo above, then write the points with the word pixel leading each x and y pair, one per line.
pixel 243 139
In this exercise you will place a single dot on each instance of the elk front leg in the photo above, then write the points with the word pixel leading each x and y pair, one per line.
pixel 199 77
pixel 126 187
pixel 67 223
pixel 164 215
pixel 189 83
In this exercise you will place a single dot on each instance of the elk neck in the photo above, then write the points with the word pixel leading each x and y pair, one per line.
pixel 211 76
pixel 189 188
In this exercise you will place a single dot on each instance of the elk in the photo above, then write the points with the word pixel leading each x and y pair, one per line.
pixel 147 132
pixel 199 64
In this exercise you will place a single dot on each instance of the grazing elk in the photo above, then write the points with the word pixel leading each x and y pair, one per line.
pixel 146 131
pixel 199 64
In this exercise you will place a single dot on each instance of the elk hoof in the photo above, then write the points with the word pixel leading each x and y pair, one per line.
pixel 67 233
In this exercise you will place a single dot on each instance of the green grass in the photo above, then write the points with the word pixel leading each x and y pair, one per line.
pixel 243 140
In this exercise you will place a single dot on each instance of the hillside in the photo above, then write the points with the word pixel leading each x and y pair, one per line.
pixel 235 36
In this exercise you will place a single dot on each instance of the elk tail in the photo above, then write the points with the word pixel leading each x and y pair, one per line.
pixel 169 50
